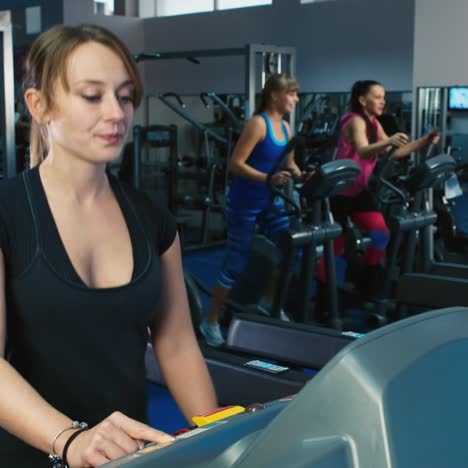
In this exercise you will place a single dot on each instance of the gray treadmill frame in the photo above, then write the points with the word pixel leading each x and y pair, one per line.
pixel 394 398
pixel 7 112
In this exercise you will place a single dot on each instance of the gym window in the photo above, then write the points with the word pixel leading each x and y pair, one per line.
pixel 229 4
pixel 104 7
pixel 315 1
pixel 5 16
pixel 183 7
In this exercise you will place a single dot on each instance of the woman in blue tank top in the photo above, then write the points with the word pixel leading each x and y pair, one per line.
pixel 248 203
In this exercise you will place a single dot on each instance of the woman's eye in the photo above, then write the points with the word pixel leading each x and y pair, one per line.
pixel 126 99
pixel 95 98
pixel 91 98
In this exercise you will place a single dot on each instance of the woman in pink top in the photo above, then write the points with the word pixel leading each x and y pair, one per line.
pixel 363 140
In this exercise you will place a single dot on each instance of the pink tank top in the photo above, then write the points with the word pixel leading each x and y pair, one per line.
pixel 346 150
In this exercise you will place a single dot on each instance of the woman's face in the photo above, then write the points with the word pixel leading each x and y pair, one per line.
pixel 373 102
pixel 285 101
pixel 91 120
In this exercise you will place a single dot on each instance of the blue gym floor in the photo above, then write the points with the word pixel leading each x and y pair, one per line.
pixel 163 412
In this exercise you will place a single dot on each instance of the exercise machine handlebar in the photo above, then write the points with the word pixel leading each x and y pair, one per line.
pixel 178 110
pixel 216 99
pixel 295 142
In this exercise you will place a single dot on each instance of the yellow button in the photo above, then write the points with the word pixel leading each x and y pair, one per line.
pixel 216 415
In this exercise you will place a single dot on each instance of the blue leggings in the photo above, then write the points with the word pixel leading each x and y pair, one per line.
pixel 241 224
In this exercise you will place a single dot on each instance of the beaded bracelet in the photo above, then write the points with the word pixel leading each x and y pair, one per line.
pixel 68 443
pixel 55 460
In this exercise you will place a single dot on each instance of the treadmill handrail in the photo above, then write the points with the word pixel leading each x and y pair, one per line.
pixel 382 181
pixel 278 191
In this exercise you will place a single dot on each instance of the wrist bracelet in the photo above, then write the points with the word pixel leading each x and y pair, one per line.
pixel 68 443
pixel 55 460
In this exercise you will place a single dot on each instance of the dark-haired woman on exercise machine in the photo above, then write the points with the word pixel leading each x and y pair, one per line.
pixel 363 140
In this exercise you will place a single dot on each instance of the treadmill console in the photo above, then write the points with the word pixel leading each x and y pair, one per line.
pixel 394 398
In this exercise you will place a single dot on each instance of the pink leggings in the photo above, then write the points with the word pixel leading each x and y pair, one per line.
pixel 373 224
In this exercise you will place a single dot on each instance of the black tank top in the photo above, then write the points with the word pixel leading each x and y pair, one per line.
pixel 81 348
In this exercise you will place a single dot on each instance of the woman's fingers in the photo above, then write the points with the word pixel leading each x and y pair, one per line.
pixel 399 139
pixel 111 450
pixel 139 431
pixel 115 437
pixel 122 441
pixel 96 459
pixel 282 177
pixel 403 139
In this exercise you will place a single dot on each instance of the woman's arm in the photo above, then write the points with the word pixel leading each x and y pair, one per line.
pixel 356 132
pixel 175 345
pixel 25 414
pixel 405 150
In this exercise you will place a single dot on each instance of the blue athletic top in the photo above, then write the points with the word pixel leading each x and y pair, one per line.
pixel 249 192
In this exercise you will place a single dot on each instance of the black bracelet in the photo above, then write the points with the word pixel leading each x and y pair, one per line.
pixel 68 443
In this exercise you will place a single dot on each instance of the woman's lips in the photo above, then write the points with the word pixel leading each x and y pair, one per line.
pixel 111 138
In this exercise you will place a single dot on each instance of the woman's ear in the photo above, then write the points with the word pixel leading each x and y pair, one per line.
pixel 36 105
pixel 362 100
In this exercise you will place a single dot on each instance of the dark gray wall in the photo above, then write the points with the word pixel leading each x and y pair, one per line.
pixel 51 13
pixel 441 36
pixel 337 43
pixel 129 29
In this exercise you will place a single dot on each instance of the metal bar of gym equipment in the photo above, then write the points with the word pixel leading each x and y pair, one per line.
pixel 275 59
pixel 7 103
pixel 432 111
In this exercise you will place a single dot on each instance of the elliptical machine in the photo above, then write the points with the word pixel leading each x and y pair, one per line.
pixel 312 225
pixel 451 239
pixel 399 194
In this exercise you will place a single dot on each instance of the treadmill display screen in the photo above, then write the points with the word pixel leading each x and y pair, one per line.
pixel 458 98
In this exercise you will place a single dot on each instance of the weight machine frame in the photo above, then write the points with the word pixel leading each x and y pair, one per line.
pixel 275 59
pixel 7 102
